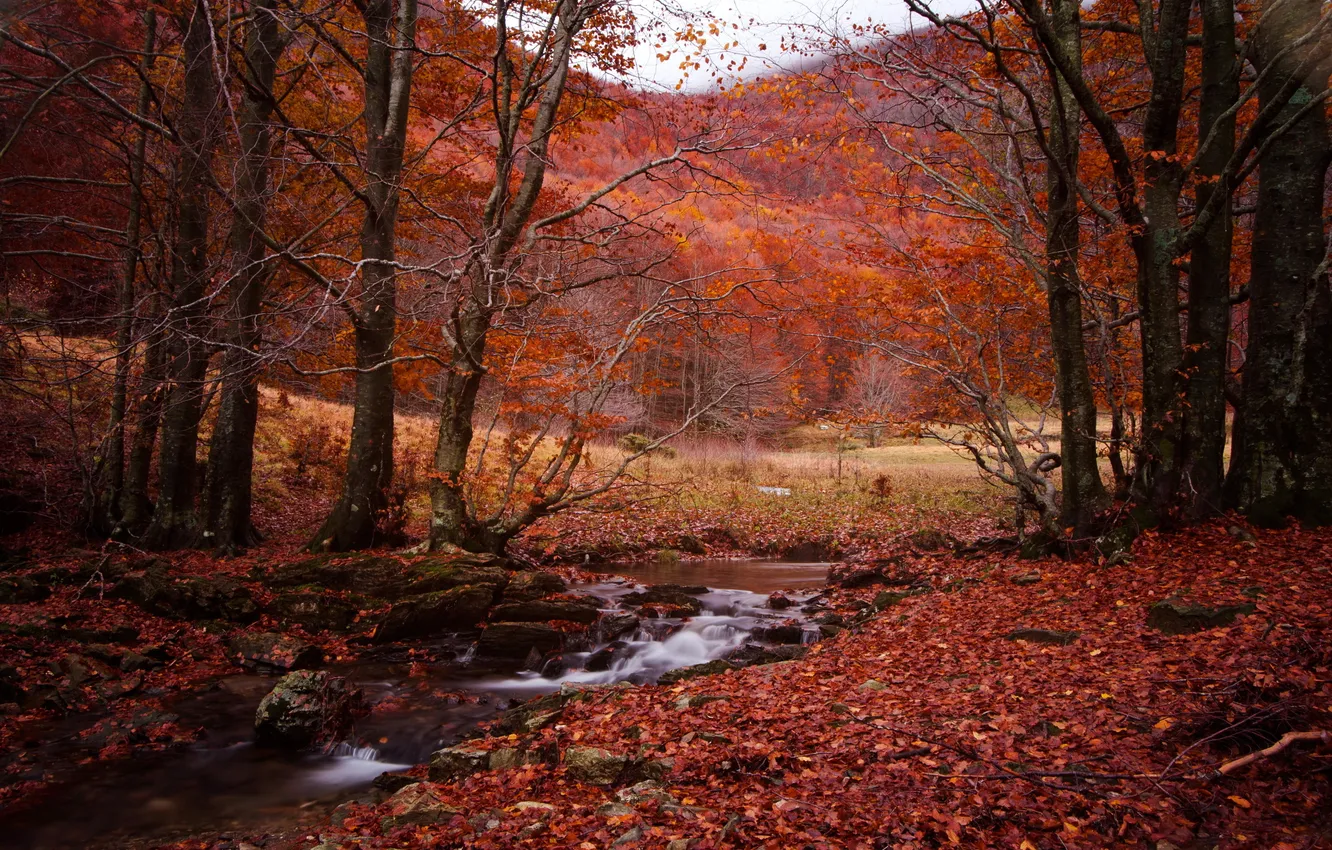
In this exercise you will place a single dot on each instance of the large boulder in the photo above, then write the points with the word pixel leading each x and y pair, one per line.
pixel 1177 617
pixel 518 640
pixel 313 611
pixel 306 708
pixel 527 586
pixel 392 577
pixel 269 651
pixel 459 609
pixel 576 609
pixel 187 597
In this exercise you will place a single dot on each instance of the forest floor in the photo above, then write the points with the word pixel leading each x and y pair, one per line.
pixel 934 720
pixel 937 721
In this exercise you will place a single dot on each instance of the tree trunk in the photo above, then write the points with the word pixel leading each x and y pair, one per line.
pixel 228 497
pixel 1206 361
pixel 507 212
pixel 136 508
pixel 1083 492
pixel 106 512
pixel 354 521
pixel 1280 465
pixel 450 521
pixel 174 521
pixel 1155 250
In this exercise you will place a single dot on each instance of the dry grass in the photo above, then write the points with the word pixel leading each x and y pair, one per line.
pixel 302 440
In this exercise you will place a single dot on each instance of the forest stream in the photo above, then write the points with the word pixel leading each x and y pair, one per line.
pixel 226 783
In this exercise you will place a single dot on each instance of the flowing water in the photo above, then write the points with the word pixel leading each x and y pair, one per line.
pixel 225 783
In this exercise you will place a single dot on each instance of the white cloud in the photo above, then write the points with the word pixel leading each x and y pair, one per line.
pixel 759 26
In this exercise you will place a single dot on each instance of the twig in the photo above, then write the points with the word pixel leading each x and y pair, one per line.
pixel 1287 740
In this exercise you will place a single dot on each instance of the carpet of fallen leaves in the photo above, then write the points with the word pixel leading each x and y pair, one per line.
pixel 924 726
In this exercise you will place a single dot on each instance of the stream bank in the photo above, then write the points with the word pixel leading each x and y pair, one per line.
pixel 424 694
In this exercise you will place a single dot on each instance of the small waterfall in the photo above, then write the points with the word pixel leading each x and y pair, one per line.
pixel 728 621
pixel 343 750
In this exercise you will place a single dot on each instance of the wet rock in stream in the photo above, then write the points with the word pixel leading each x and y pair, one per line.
pixel 305 708
pixel 518 640
pixel 454 610
pixel 574 609
pixel 527 586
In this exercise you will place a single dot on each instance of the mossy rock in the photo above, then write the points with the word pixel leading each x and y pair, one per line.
pixel 708 668
pixel 594 766
pixel 442 612
pixel 1046 636
pixel 391 577
pixel 526 586
pixel 314 610
pixel 304 709
pixel 518 640
pixel 187 597
pixel 575 609
pixel 1177 617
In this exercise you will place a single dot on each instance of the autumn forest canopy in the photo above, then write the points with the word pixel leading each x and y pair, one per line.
pixel 290 279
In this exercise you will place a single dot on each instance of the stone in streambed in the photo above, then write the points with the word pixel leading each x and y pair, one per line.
pixel 305 708
pixel 576 609
pixel 788 632
pixel 444 611
pixel 668 595
pixel 524 587
pixel 753 654
pixel 605 657
pixel 517 640
pixel 612 624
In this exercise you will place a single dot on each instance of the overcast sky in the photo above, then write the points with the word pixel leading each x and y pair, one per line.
pixel 764 22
